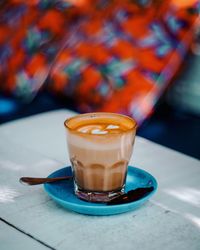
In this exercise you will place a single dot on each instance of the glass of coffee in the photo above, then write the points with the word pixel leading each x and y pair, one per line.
pixel 100 146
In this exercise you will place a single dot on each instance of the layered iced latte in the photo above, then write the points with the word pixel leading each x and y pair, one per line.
pixel 100 146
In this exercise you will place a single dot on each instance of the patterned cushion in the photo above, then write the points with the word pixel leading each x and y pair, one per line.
pixel 116 56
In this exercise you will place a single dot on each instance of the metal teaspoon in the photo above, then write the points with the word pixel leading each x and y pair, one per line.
pixel 37 181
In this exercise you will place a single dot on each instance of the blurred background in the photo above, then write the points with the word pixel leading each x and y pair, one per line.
pixel 139 58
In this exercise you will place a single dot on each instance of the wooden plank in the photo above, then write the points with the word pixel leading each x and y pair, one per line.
pixel 11 238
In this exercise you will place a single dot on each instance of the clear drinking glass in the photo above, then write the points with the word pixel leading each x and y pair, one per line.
pixel 100 146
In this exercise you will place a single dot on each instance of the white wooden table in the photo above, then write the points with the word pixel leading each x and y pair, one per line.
pixel 36 146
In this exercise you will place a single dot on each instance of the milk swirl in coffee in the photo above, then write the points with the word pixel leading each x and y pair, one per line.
pixel 100 146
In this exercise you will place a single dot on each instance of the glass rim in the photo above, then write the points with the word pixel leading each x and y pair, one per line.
pixel 132 128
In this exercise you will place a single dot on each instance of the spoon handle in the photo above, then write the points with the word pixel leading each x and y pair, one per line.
pixel 37 181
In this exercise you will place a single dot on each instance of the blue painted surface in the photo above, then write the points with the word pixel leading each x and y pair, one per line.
pixel 62 193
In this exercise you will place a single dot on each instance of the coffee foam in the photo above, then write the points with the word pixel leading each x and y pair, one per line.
pixel 97 129
pixel 97 142
pixel 100 129
pixel 111 126
pixel 103 121
pixel 88 128
pixel 99 132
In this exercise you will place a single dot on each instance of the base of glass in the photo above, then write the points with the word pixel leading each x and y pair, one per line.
pixel 96 196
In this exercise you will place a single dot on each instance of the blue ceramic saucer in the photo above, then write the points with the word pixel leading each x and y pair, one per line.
pixel 62 192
